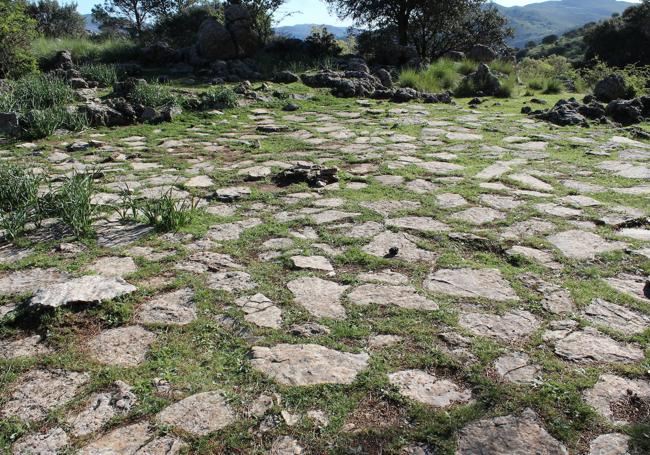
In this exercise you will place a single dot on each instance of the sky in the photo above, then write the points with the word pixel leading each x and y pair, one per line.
pixel 304 11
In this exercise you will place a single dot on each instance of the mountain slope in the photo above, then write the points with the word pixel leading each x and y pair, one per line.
pixel 537 20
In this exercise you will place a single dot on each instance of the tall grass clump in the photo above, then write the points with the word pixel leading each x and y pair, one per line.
pixel 105 74
pixel 219 98
pixel 168 214
pixel 85 50
pixel 439 76
pixel 153 95
pixel 74 204
pixel 40 92
pixel 18 199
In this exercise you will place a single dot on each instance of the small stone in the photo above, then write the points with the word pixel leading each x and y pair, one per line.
pixel 123 346
pixel 260 311
pixel 312 263
pixel 309 330
pixel 427 389
pixel 199 414
pixel 383 341
pixel 286 445
pixel 308 364
pixel 200 181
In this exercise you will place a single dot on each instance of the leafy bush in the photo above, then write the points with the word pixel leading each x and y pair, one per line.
pixel 636 77
pixel 219 98
pixel 17 30
pixel 105 74
pixel 153 95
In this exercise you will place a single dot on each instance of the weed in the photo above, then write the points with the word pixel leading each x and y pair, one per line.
pixel 39 92
pixel 219 98
pixel 18 187
pixel 168 214
pixel 43 123
pixel 153 95
pixel 73 200
pixel 13 223
pixel 553 87
pixel 105 75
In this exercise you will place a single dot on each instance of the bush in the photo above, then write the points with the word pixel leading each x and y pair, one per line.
pixel 636 77
pixel 321 43
pixel 105 75
pixel 17 30
pixel 57 21
pixel 439 76
pixel 219 98
pixel 553 87
pixel 153 95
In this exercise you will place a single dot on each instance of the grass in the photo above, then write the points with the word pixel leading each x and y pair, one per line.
pixel 74 206
pixel 168 214
pixel 105 74
pixel 45 122
pixel 153 95
pixel 219 98
pixel 85 50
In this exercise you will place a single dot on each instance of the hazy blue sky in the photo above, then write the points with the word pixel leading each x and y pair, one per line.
pixel 306 11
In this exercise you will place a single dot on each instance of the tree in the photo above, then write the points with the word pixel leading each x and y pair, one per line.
pixel 134 13
pixel 433 27
pixel 622 40
pixel 322 43
pixel 55 20
pixel 550 39
pixel 17 30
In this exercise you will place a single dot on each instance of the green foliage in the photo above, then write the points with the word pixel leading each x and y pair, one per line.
pixel 636 77
pixel 84 50
pixel 441 75
pixel 322 43
pixel 17 30
pixel 56 20
pixel 103 73
pixel 153 95
pixel 167 213
pixel 40 92
pixel 19 196
pixel 41 123
pixel 553 86
pixel 219 98
pixel 74 206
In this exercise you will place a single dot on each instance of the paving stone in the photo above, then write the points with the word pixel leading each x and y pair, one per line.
pixel 508 435
pixel 331 216
pixel 384 276
pixel 10 254
pixel 516 367
pixel 383 341
pixel 611 390
pixel 199 181
pixel 230 281
pixel 174 308
pixel 479 215
pixel 51 442
pixel 421 186
pixel 500 202
pixel 312 263
pixel 29 280
pixel 134 439
pixel 260 311
pixel 533 183
pixel 38 392
pixel 577 244
pixel 286 445
pixel 475 283
pixel 122 346
pixel 616 317
pixel 556 299
pixel 116 235
pixel 450 200
pixel 427 389
pixel 23 347
pixel 418 223
pixel 558 210
pixel 610 444
pixel 632 285
pixel 383 295
pixel 86 289
pixel 232 231
pixel 440 167
pixel 386 208
pixel 528 228
pixel 199 414
pixel 590 346
pixel 101 408
pixel 383 245
pixel 321 298
pixel 114 266
pixel 367 229
pixel 542 257
pixel 510 326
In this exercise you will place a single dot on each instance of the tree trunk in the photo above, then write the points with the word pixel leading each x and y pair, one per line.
pixel 403 29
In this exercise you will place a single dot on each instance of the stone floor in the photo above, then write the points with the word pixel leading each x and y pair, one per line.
pixel 475 283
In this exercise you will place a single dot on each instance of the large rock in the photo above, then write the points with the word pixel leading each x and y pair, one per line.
pixel 508 435
pixel 482 82
pixel 235 38
pixel 626 112
pixel 199 414
pixel 612 87
pixel 87 289
pixel 308 364
pixel 482 54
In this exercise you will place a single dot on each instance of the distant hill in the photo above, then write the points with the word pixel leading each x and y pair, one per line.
pixel 302 31
pixel 537 20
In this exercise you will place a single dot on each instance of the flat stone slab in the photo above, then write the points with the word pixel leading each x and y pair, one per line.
pixel 479 215
pixel 135 439
pixel 533 183
pixel 510 326
pixel 473 283
pixel 407 250
pixel 321 298
pixel 616 317
pixel 384 276
pixel 30 280
pixel 86 289
pixel 308 364
pixel 38 392
pixel 173 308
pixel 230 281
pixel 424 388
pixel 260 311
pixel 610 444
pixel 123 346
pixel 23 347
pixel 382 295
pixel 508 435
pixel 634 286
pixel 330 216
pixel 52 442
pixel 114 266
pixel 516 367
pixel 387 208
pixel 286 445
pixel 199 414
pixel 450 200
pixel 232 231
pixel 590 346
pixel 612 390
pixel 577 244
pixel 418 223
pixel 101 408
pixel 542 257
pixel 528 228
pixel 312 263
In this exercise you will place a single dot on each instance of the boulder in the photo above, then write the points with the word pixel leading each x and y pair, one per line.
pixel 233 38
pixel 456 56
pixel 102 115
pixel 564 113
pixel 77 83
pixel 626 112
pixel 159 53
pixel 215 41
pixel 285 77
pixel 62 60
pixel 384 77
pixel 611 88
pixel 482 82
pixel 482 54
pixel 9 123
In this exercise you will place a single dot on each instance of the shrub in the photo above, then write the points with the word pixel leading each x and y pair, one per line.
pixel 18 199
pixel 153 95
pixel 17 30
pixel 321 43
pixel 41 92
pixel 105 74
pixel 553 86
pixel 438 76
pixel 219 98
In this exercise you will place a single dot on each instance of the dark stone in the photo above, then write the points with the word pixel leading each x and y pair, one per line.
pixel 62 60
pixel 314 175
pixel 611 88
pixel 483 82
pixel 78 83
pixel 286 77
pixel 159 53
pixel 9 123
pixel 482 54
pixel 384 77
pixel 626 112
